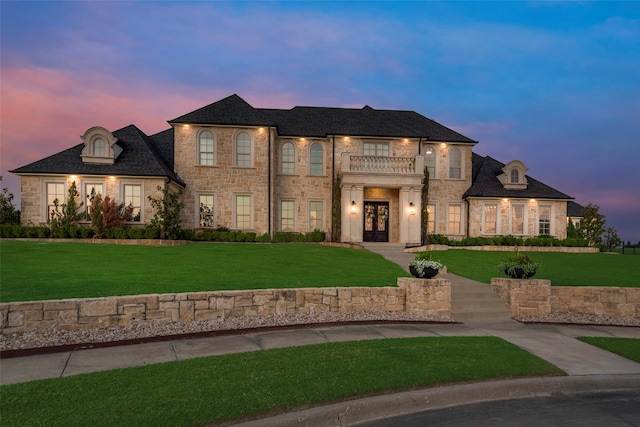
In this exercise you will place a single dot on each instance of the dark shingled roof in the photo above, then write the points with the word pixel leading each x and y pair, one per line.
pixel 141 155
pixel 574 209
pixel 485 183
pixel 323 121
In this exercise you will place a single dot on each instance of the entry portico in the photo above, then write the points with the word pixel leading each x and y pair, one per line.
pixel 381 198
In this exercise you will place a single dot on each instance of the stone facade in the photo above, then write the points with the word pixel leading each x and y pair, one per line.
pixel 536 297
pixel 418 296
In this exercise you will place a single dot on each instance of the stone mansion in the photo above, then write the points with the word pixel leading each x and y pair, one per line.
pixel 270 170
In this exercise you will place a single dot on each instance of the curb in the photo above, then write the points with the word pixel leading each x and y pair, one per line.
pixel 354 412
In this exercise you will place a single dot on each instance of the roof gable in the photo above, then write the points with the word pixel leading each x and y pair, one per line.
pixel 231 110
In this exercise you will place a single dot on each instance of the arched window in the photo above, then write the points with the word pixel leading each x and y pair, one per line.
pixel 99 147
pixel 288 158
pixel 316 163
pixel 455 163
pixel 515 176
pixel 243 150
pixel 205 148
pixel 430 160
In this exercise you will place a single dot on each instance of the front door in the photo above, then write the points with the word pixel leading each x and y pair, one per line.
pixel 376 222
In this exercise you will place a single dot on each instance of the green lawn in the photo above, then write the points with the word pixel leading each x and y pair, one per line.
pixel 625 347
pixel 38 271
pixel 222 389
pixel 563 269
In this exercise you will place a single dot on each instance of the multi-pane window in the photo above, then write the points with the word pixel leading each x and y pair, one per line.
pixel 205 148
pixel 133 198
pixel 431 220
pixel 55 194
pixel 430 161
pixel 517 219
pixel 315 216
pixel 316 164
pixel 243 150
pixel 206 218
pixel 490 219
pixel 515 176
pixel 288 158
pixel 544 220
pixel 455 163
pixel 376 149
pixel 99 147
pixel 243 212
pixel 286 215
pixel 90 191
pixel 455 215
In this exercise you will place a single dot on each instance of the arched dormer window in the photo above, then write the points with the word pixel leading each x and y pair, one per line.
pixel 243 150
pixel 100 146
pixel 205 148
pixel 514 176
pixel 288 158
pixel 455 163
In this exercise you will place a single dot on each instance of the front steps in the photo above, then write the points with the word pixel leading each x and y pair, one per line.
pixel 476 302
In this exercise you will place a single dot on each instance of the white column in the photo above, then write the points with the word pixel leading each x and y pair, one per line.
pixel 352 213
pixel 403 211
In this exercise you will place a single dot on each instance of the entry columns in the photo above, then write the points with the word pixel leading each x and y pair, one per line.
pixel 352 215
pixel 409 211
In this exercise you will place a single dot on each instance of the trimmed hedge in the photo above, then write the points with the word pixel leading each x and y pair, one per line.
pixel 439 239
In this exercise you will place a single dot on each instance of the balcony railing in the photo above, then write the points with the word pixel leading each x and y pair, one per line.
pixel 382 164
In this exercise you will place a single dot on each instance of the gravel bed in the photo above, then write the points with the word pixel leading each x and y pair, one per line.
pixel 582 319
pixel 57 337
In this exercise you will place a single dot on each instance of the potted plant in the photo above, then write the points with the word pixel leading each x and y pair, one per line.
pixel 424 267
pixel 519 266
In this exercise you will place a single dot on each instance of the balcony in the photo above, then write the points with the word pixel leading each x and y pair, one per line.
pixel 382 165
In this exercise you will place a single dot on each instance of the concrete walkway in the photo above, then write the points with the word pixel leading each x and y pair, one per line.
pixel 589 368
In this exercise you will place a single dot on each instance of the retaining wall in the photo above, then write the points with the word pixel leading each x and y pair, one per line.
pixel 536 297
pixel 419 296
pixel 499 248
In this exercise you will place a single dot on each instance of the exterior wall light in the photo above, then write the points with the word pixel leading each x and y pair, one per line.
pixel 353 207
pixel 412 208
pixel 429 150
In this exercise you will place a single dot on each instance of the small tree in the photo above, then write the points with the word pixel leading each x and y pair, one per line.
pixel 572 230
pixel 425 207
pixel 610 238
pixel 105 214
pixel 592 224
pixel 8 212
pixel 66 214
pixel 167 208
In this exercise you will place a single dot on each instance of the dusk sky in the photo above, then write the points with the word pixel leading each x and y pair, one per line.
pixel 554 84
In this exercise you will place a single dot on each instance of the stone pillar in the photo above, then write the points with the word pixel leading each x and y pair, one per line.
pixel 431 297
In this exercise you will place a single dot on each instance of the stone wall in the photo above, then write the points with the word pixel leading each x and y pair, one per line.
pixel 416 296
pixel 536 297
pixel 498 248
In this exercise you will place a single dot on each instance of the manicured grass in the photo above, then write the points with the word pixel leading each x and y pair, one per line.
pixel 563 269
pixel 625 347
pixel 39 271
pixel 228 388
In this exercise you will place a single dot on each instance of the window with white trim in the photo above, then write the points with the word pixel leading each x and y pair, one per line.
pixel 243 150
pixel 243 212
pixel 376 149
pixel 99 147
pixel 55 194
pixel 91 189
pixel 206 218
pixel 515 176
pixel 517 219
pixel 490 223
pixel 430 160
pixel 455 163
pixel 544 220
pixel 316 209
pixel 287 215
pixel 316 164
pixel 133 197
pixel 206 148
pixel 288 158
pixel 431 220
pixel 455 219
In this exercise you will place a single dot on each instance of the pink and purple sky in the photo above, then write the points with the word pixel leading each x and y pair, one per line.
pixel 554 84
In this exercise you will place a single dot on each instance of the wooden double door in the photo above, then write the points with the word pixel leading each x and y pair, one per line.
pixel 376 222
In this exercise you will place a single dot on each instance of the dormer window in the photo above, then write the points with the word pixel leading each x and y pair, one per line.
pixel 514 176
pixel 100 146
